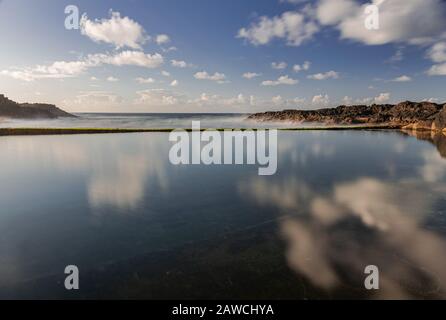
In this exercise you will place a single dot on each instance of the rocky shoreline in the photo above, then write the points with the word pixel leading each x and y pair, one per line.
pixel 425 116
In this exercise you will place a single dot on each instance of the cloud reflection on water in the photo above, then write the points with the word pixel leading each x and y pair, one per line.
pixel 331 236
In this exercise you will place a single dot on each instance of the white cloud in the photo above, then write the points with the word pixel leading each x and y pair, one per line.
pixel 251 75
pixel 402 78
pixel 165 73
pixel 121 32
pixel 324 76
pixel 432 100
pixel 203 75
pixel 321 100
pixel 169 49
pixel 130 58
pixel 347 100
pixel 278 101
pixel 174 83
pixel 438 55
pixel 145 80
pixel 278 65
pixel 216 101
pixel 401 21
pixel 56 70
pixel 162 39
pixel 112 79
pixel 170 99
pixel 382 98
pixel 179 63
pixel 88 100
pixel 94 79
pixel 437 70
pixel 157 98
pixel 69 69
pixel 304 67
pixel 292 26
pixel 438 52
pixel 334 11
pixel 281 80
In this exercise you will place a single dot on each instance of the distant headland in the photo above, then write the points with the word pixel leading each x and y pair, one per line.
pixel 12 109
pixel 405 115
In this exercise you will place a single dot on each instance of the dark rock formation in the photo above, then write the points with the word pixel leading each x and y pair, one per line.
pixel 410 115
pixel 439 122
pixel 11 109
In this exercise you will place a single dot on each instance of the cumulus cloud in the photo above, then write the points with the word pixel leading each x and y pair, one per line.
pixel 324 76
pixel 304 67
pixel 179 63
pixel 321 100
pixel 281 80
pixel 130 58
pixel 216 101
pixel 279 101
pixel 400 21
pixel 157 97
pixel 203 75
pixel 334 11
pixel 174 83
pixel 382 98
pixel 118 31
pixel 251 75
pixel 173 100
pixel 438 55
pixel 162 39
pixel 402 78
pixel 90 100
pixel 438 52
pixel 68 69
pixel 112 79
pixel 437 70
pixel 56 70
pixel 145 80
pixel 347 100
pixel 292 26
pixel 278 65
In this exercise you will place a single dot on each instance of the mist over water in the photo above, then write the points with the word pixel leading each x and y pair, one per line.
pixel 144 121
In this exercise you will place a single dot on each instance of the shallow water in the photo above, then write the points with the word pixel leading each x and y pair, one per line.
pixel 139 227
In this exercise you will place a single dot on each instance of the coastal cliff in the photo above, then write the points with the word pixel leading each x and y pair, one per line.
pixel 407 115
pixel 12 109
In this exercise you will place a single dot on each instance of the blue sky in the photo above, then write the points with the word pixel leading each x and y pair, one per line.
pixel 120 60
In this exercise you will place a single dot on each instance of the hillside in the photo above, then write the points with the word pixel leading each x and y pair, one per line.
pixel 12 109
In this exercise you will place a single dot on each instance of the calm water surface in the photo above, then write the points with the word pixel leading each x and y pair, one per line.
pixel 139 227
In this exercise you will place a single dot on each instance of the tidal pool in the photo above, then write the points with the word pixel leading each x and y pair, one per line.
pixel 139 227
